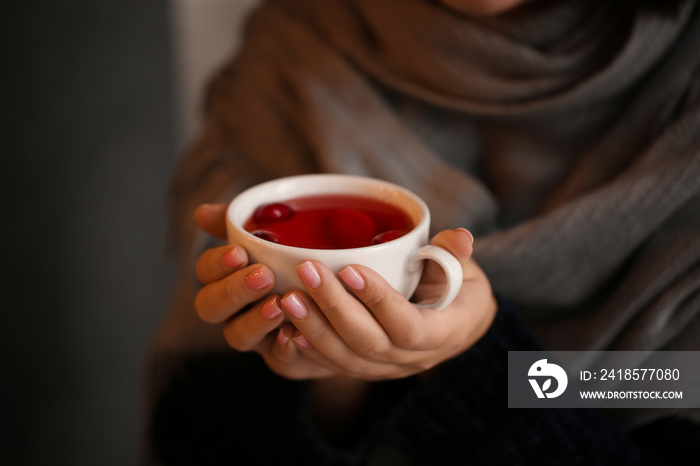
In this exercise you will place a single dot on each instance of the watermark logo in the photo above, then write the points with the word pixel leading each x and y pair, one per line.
pixel 542 370
pixel 603 379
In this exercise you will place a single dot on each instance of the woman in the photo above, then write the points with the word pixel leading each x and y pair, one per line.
pixel 562 134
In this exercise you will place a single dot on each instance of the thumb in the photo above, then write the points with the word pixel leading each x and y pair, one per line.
pixel 211 218
pixel 458 242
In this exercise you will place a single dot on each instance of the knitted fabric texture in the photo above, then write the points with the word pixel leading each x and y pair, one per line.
pixel 565 135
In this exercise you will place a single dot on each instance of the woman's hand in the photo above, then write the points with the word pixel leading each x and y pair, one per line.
pixel 235 294
pixel 374 333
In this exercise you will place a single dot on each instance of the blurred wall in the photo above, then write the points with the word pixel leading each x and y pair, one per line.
pixel 92 125
pixel 206 32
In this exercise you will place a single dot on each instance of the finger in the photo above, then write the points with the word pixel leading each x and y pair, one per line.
pixel 280 354
pixel 220 300
pixel 283 356
pixel 317 338
pixel 459 242
pixel 306 350
pixel 212 219
pixel 215 264
pixel 349 318
pixel 247 331
pixel 351 366
pixel 402 322
pixel 282 348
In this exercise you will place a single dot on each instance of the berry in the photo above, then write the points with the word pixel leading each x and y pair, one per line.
pixel 267 236
pixel 272 213
pixel 386 236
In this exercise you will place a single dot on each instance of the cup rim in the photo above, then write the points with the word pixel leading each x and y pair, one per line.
pixel 388 189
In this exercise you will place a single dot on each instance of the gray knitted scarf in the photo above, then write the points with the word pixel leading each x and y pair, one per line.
pixel 565 135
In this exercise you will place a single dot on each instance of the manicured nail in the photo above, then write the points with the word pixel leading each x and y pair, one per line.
pixel 467 232
pixel 309 274
pixel 294 306
pixel 232 258
pixel 258 279
pixel 270 310
pixel 282 337
pixel 352 278
pixel 301 341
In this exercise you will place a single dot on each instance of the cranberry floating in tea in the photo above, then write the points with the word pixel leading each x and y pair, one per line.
pixel 272 213
pixel 387 236
pixel 267 236
pixel 329 222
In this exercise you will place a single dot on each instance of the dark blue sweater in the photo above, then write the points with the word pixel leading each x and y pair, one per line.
pixel 228 408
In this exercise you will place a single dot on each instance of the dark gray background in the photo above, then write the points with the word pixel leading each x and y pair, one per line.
pixel 87 109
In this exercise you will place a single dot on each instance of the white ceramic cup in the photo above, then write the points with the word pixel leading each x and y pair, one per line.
pixel 399 261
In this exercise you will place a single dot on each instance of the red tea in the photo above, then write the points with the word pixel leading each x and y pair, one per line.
pixel 329 221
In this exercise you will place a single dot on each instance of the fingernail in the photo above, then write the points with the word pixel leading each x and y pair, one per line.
pixel 352 278
pixel 258 279
pixel 467 232
pixel 301 341
pixel 309 274
pixel 270 310
pixel 232 258
pixel 282 337
pixel 294 306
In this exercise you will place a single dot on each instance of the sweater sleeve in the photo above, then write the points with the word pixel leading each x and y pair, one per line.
pixel 228 408
pixel 460 416
pixel 221 408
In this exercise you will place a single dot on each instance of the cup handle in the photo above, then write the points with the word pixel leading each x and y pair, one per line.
pixel 451 266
